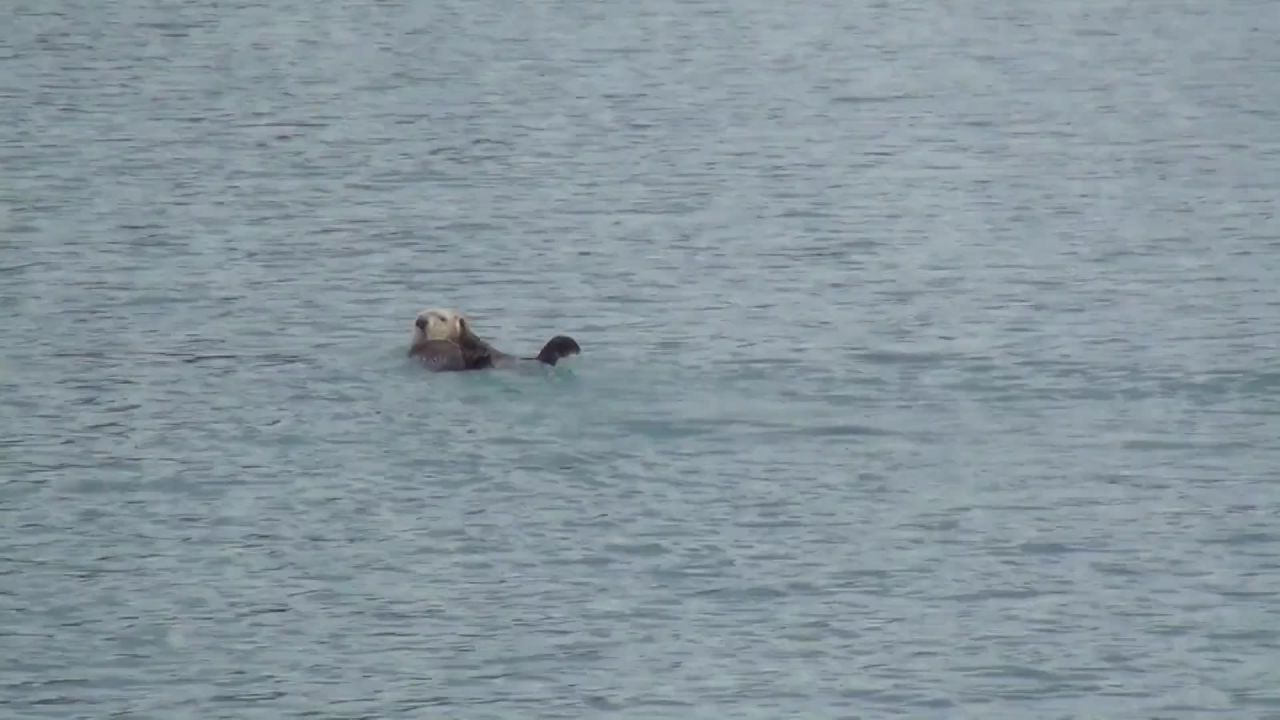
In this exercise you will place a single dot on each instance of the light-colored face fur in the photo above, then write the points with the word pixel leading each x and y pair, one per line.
pixel 439 324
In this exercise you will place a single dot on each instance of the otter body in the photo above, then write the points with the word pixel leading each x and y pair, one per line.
pixel 443 342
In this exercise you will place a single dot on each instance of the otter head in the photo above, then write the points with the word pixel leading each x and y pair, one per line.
pixel 437 324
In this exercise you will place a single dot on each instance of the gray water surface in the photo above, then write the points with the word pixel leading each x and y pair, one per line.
pixel 929 359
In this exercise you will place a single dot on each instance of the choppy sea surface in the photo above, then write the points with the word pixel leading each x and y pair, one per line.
pixel 929 359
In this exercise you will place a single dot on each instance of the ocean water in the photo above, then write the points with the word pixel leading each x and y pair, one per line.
pixel 929 359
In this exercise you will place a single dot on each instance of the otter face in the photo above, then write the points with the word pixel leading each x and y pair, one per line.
pixel 437 324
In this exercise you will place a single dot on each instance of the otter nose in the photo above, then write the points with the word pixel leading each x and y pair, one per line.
pixel 421 323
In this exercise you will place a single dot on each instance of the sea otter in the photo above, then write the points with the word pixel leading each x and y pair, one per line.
pixel 443 341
